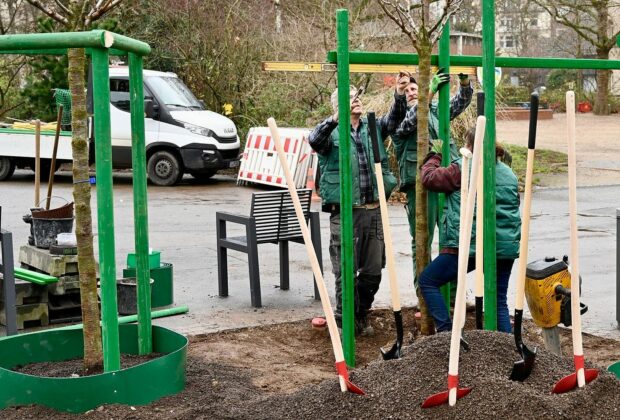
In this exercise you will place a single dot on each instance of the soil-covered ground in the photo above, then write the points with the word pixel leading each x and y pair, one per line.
pixel 286 371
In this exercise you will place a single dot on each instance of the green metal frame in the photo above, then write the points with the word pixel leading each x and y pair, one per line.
pixel 100 44
pixel 488 61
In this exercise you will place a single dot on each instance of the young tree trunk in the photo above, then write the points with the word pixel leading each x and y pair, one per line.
pixel 424 49
pixel 601 100
pixel 93 355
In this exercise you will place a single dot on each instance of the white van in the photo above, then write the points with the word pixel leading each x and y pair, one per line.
pixel 181 135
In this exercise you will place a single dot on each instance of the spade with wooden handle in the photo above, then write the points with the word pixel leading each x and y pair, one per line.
pixel 467 213
pixel 394 351
pixel 341 367
pixel 581 376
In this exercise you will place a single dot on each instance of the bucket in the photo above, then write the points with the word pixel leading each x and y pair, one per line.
pixel 46 230
pixel 127 295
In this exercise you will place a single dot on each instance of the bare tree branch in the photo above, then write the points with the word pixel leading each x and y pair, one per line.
pixel 63 7
pixel 51 12
pixel 98 12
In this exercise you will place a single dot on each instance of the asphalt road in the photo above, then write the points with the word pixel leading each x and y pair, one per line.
pixel 182 227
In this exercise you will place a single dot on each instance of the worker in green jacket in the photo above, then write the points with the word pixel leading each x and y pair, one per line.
pixel 444 268
pixel 369 248
pixel 405 143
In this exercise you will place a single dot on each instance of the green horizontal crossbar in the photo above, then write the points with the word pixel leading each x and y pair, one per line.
pixel 359 57
pixel 61 51
pixel 59 41
pixel 34 277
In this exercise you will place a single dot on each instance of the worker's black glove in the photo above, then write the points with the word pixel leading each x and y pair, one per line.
pixel 429 156
pixel 464 79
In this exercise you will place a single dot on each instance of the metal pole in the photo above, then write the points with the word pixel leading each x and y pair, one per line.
pixel 346 207
pixel 409 59
pixel 618 267
pixel 488 76
pixel 6 244
pixel 140 209
pixel 105 210
pixel 444 126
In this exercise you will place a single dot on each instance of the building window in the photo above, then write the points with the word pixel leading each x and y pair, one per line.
pixel 507 41
pixel 506 22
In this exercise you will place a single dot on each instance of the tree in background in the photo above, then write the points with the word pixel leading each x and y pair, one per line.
pixel 14 18
pixel 79 15
pixel 422 21
pixel 593 21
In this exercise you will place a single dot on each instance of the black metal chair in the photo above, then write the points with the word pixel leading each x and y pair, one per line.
pixel 272 219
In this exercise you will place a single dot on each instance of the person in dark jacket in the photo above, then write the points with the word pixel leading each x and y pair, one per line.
pixel 508 225
pixel 406 146
pixel 369 251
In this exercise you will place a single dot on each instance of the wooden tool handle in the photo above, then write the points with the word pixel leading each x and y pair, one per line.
pixel 574 242
pixel 385 219
pixel 527 204
pixel 50 181
pixel 37 162
pixel 464 242
pixel 314 262
pixel 479 289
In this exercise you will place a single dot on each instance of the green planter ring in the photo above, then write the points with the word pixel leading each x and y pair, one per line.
pixel 615 369
pixel 137 385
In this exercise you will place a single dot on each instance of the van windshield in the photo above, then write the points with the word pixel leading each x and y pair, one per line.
pixel 174 93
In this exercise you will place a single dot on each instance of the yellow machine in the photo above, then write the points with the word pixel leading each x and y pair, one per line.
pixel 547 290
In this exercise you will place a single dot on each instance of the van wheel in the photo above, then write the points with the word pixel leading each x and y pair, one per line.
pixel 203 176
pixel 7 167
pixel 164 169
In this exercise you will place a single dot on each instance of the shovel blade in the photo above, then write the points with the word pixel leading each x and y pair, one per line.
pixel 393 353
pixel 443 397
pixel 522 369
pixel 354 389
pixel 568 383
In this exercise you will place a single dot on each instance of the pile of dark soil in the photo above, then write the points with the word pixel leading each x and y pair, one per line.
pixel 396 389
pixel 286 371
pixel 75 367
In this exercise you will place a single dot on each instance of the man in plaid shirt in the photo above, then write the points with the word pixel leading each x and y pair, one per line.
pixel 369 249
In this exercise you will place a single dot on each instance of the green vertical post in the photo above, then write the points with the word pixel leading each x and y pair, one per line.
pixel 488 78
pixel 105 210
pixel 140 213
pixel 346 206
pixel 444 125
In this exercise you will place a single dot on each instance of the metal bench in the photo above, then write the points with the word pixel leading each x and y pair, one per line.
pixel 272 220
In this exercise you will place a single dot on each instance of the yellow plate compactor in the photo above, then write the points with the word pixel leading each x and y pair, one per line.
pixel 547 290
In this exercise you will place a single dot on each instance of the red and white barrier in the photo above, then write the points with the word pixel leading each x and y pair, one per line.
pixel 260 164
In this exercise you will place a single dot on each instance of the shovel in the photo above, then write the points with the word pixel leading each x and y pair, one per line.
pixel 582 376
pixel 50 182
pixel 479 289
pixel 467 212
pixel 341 367
pixel 394 352
pixel 522 368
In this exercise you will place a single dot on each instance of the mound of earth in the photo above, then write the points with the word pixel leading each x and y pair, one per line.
pixel 396 389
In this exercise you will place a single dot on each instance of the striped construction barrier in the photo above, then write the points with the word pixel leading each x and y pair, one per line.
pixel 260 164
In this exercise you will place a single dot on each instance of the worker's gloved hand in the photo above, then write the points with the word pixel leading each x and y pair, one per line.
pixel 402 81
pixel 440 78
pixel 464 79
pixel 429 156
